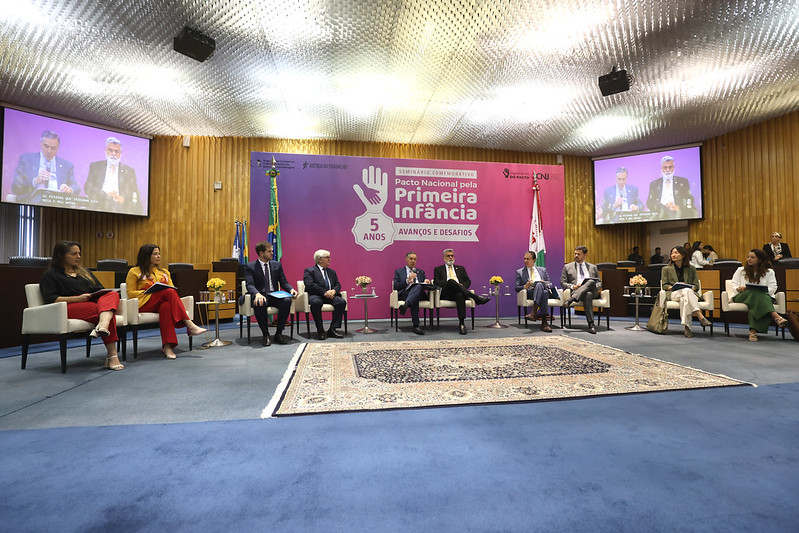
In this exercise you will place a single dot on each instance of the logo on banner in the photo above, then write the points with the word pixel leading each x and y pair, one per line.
pixel 430 204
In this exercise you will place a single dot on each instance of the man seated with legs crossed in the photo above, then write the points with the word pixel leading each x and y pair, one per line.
pixel 409 283
pixel 454 283
pixel 264 276
pixel 583 280
pixel 535 281
pixel 322 286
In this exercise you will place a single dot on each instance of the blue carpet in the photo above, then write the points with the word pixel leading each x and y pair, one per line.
pixel 708 460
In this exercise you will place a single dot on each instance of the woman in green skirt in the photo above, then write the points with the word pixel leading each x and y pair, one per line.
pixel 756 285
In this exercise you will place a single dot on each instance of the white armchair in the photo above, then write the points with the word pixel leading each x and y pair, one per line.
pixel 136 319
pixel 246 311
pixel 441 303
pixel 603 302
pixel 522 303
pixel 303 305
pixel 395 303
pixel 728 306
pixel 705 305
pixel 51 319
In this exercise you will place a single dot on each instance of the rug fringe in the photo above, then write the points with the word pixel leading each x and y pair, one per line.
pixel 271 407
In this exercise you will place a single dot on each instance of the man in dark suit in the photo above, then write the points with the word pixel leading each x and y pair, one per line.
pixel 657 258
pixel 582 278
pixel 620 197
pixel 535 281
pixel 264 276
pixel 113 184
pixel 669 195
pixel 454 283
pixel 322 286
pixel 409 282
pixel 43 170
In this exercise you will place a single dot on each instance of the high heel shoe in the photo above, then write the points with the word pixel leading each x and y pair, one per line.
pixel 98 332
pixel 704 321
pixel 169 355
pixel 781 321
pixel 198 331
pixel 753 336
pixel 115 366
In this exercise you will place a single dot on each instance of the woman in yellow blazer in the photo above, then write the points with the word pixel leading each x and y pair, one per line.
pixel 165 302
pixel 680 270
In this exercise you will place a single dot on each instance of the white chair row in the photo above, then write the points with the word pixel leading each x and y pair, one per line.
pixel 51 319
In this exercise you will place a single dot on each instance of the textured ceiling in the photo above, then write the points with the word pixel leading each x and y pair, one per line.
pixel 510 74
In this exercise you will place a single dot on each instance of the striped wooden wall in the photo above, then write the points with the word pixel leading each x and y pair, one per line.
pixel 749 178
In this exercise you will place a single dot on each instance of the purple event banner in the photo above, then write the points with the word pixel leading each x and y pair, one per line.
pixel 368 212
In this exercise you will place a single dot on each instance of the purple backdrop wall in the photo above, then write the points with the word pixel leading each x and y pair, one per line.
pixel 481 210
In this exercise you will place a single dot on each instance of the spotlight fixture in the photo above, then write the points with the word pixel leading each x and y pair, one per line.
pixel 194 44
pixel 615 82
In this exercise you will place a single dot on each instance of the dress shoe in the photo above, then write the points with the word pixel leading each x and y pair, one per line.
pixel 334 334
pixel 403 308
pixel 280 339
pixel 544 326
pixel 687 332
pixel 480 300
pixel 592 329
pixel 569 302
pixel 462 329
pixel 418 330
pixel 531 316
pixel 704 321
pixel 321 335
pixel 266 341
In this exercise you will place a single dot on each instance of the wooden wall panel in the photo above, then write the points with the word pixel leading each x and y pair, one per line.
pixel 750 180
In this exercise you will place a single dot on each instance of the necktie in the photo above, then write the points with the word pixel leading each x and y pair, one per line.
pixel 580 269
pixel 451 270
pixel 268 277
pixel 327 280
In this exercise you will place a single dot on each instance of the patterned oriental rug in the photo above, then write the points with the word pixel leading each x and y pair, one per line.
pixel 333 377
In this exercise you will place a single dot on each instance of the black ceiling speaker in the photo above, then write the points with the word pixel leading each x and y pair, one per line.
pixel 194 44
pixel 615 82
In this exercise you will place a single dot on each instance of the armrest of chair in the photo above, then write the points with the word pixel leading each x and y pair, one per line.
pixel 393 299
pixel 707 298
pixel 132 310
pixel 779 304
pixel 47 318
pixel 188 303
pixel 521 298
pixel 245 307
pixel 301 303
pixel 565 295
pixel 344 295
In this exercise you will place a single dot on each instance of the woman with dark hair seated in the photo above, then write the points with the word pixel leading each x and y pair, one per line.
pixel 67 281
pixel 698 255
pixel 776 249
pixel 165 302
pixel 760 301
pixel 680 270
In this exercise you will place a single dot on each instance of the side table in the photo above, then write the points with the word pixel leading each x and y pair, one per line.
pixel 365 297
pixel 637 293
pixel 217 341
pixel 496 293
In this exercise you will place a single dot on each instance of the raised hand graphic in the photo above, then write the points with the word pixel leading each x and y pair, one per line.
pixel 374 192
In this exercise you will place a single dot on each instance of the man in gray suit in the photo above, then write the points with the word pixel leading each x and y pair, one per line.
pixel 583 279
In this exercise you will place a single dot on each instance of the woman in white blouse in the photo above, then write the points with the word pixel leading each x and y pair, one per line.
pixel 757 271
pixel 698 258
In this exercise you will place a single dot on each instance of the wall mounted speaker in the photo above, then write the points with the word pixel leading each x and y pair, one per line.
pixel 194 44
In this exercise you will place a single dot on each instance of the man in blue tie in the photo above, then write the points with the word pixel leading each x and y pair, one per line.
pixel 44 171
pixel 264 276
pixel 322 286
pixel 620 198
pixel 582 278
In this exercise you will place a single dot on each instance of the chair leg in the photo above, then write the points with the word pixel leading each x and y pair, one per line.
pixel 88 346
pixel 123 342
pixel 135 336
pixel 307 325
pixel 249 322
pixel 26 339
pixel 345 322
pixel 472 318
pixel 241 325
pixel 726 323
pixel 62 343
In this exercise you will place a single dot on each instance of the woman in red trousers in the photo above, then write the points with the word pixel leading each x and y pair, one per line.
pixel 165 302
